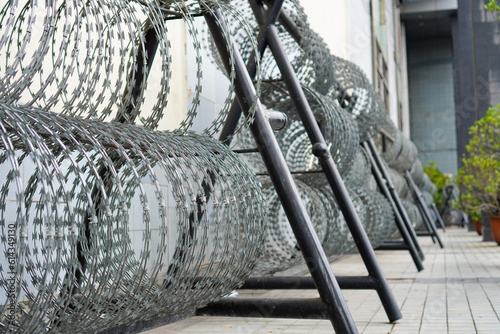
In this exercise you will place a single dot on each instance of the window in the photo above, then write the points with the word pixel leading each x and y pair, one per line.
pixel 381 75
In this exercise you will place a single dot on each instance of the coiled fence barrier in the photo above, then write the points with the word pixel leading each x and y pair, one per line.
pixel 107 219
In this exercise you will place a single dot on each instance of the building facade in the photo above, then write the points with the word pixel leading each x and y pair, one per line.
pixel 454 73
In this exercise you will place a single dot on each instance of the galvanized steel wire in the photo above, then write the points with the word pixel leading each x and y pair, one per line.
pixel 114 223
pixel 105 221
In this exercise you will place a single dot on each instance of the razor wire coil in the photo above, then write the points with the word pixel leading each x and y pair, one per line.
pixel 107 60
pixel 379 215
pixel 117 223
pixel 339 130
pixel 281 250
pixel 113 223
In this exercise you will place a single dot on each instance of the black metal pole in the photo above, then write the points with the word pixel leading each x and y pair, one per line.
pixel 307 283
pixel 385 185
pixel 396 198
pixel 296 308
pixel 286 21
pixel 320 150
pixel 423 209
pixel 439 218
pixel 370 146
pixel 393 246
pixel 300 222
pixel 427 224
pixel 235 112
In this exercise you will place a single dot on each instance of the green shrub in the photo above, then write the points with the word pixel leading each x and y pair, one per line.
pixel 439 179
pixel 479 177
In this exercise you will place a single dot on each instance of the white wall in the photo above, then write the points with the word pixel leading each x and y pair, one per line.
pixel 360 36
pixel 391 61
pixel 330 20
pixel 178 97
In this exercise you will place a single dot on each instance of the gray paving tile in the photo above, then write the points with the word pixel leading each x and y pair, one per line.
pixel 457 293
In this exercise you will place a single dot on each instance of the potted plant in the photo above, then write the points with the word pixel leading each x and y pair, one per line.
pixel 478 221
pixel 479 177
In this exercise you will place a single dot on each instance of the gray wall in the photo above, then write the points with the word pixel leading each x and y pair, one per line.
pixel 432 104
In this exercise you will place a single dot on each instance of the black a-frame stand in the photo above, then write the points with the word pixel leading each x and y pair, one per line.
pixel 424 211
pixel 403 222
pixel 331 304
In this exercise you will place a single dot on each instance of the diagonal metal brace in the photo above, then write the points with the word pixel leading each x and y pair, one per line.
pixel 300 222
pixel 320 150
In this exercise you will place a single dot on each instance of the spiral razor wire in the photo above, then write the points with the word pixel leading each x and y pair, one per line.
pixel 427 185
pixel 400 184
pixel 379 216
pixel 399 152
pixel 91 59
pixel 401 155
pixel 365 106
pixel 424 183
pixel 413 214
pixel 114 222
pixel 361 169
pixel 316 68
pixel 337 239
pixel 417 172
pixel 108 221
pixel 77 58
pixel 406 157
pixel 104 220
pixel 360 174
pixel 339 129
pixel 281 250
pixel 391 143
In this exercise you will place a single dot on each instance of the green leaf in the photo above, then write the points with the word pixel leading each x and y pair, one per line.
pixel 492 6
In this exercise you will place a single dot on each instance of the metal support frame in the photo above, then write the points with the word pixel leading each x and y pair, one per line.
pixel 308 242
pixel 236 109
pixel 424 210
pixel 298 308
pixel 439 218
pixel 320 150
pixel 390 246
pixel 428 232
pixel 307 283
pixel 402 220
pixel 319 267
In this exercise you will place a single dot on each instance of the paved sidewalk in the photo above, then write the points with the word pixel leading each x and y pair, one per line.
pixel 457 293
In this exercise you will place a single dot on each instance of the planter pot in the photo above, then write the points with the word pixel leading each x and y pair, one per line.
pixel 479 227
pixel 495 228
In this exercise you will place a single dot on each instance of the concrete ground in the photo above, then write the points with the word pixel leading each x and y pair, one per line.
pixel 457 293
